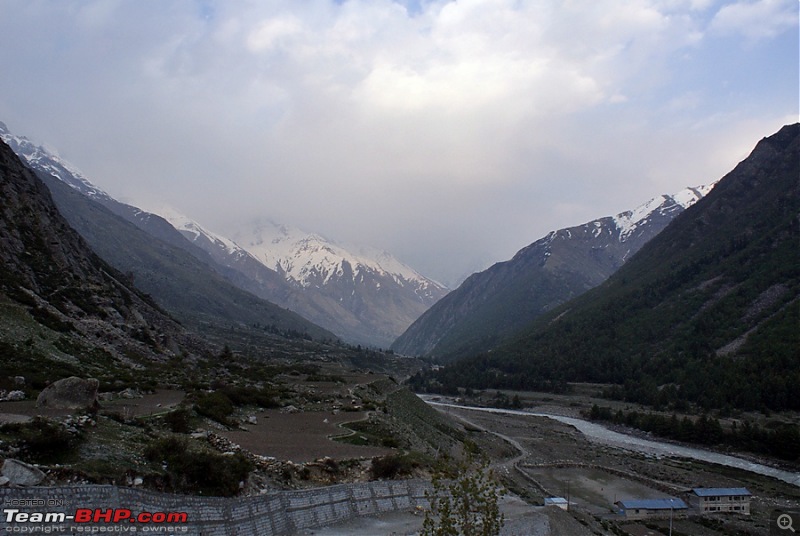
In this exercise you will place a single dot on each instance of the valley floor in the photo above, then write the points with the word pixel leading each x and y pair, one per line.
pixel 535 456
pixel 556 459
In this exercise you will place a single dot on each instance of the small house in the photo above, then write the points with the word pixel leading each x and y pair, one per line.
pixel 707 500
pixel 650 508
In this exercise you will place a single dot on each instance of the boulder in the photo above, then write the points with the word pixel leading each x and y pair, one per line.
pixel 130 394
pixel 69 393
pixel 20 473
pixel 15 395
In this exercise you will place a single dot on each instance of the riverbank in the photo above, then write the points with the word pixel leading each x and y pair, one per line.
pixel 595 466
pixel 604 435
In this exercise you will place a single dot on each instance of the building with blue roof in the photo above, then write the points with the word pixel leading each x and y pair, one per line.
pixel 710 500
pixel 650 508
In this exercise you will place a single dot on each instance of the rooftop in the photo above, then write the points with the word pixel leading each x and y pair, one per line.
pixel 720 492
pixel 652 504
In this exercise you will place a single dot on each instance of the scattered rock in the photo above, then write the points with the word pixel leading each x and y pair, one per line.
pixel 130 393
pixel 138 481
pixel 19 380
pixel 289 409
pixel 15 395
pixel 20 473
pixel 69 393
pixel 252 419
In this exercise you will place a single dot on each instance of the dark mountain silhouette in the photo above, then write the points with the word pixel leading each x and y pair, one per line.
pixel 707 311
pixel 495 303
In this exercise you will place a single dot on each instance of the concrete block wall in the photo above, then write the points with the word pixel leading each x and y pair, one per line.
pixel 272 514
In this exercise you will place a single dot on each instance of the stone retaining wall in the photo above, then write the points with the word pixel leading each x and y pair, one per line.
pixel 272 514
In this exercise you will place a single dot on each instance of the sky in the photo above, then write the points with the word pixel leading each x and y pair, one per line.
pixel 450 133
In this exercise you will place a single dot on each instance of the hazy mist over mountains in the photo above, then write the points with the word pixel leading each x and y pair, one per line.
pixel 366 297
pixel 449 133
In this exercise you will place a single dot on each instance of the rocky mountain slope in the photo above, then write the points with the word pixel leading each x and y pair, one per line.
pixel 367 297
pixel 189 289
pixel 63 308
pixel 706 312
pixel 44 161
pixel 182 277
pixel 494 303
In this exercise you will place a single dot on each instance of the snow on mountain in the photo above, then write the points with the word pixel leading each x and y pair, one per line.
pixel 364 295
pixel 194 232
pixel 628 221
pixel 42 159
pixel 495 302
pixel 310 260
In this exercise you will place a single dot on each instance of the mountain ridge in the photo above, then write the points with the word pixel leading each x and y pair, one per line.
pixel 303 272
pixel 564 263
pixel 705 313
pixel 367 297
pixel 183 278
pixel 77 312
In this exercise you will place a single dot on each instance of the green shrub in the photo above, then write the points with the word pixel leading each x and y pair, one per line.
pixel 41 440
pixel 215 406
pixel 394 465
pixel 179 421
pixel 251 396
pixel 193 470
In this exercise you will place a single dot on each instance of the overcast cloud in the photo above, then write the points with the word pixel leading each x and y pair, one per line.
pixel 450 133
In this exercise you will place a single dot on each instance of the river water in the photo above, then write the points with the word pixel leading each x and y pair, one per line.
pixel 600 434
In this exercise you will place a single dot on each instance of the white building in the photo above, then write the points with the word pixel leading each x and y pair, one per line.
pixel 709 500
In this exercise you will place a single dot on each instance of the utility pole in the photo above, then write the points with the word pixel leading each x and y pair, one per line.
pixel 567 495
pixel 670 517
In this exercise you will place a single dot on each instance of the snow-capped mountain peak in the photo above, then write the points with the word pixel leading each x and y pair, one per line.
pixel 309 259
pixel 628 221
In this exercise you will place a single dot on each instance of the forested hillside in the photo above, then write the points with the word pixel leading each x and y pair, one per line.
pixel 706 312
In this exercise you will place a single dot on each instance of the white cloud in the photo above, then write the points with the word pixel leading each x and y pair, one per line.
pixel 759 19
pixel 275 33
pixel 470 127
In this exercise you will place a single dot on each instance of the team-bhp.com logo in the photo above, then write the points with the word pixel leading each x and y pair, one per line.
pixel 86 520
